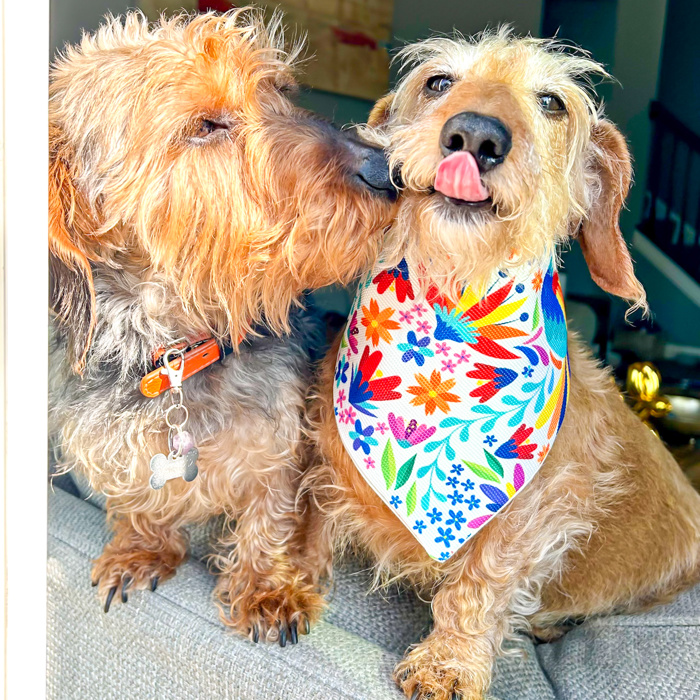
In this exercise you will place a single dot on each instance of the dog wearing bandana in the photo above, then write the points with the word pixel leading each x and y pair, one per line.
pixel 467 443
pixel 448 408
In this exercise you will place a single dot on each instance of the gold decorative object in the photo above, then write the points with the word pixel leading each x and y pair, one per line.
pixel 643 385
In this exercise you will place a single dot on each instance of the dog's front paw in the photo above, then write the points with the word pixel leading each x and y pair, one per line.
pixel 443 668
pixel 278 615
pixel 120 570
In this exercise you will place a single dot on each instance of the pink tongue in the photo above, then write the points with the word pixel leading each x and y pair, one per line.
pixel 458 177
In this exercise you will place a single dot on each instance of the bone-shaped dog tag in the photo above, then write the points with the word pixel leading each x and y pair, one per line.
pixel 168 467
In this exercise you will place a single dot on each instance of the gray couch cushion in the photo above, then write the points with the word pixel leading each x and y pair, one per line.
pixel 170 644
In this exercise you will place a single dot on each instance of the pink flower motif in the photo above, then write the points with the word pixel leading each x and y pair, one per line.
pixel 423 327
pixel 441 349
pixel 462 356
pixel 419 310
pixel 448 366
pixel 349 415
pixel 411 434
pixel 382 428
pixel 405 317
pixel 370 463
pixel 341 397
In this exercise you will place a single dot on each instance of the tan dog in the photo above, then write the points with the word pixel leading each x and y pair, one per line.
pixel 190 198
pixel 609 522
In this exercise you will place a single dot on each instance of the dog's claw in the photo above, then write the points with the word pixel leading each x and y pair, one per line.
pixel 307 625
pixel 293 634
pixel 283 636
pixel 256 634
pixel 455 696
pixel 416 693
pixel 154 583
pixel 110 595
pixel 125 584
pixel 94 583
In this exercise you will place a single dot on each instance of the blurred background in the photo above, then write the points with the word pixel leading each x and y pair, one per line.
pixel 651 48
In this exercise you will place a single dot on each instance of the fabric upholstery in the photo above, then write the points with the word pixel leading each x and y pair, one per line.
pixel 171 644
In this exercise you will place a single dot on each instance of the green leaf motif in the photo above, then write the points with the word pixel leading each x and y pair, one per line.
pixel 536 316
pixel 494 464
pixel 405 473
pixel 388 465
pixel 483 472
pixel 411 499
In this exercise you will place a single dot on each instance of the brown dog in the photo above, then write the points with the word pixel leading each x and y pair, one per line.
pixel 608 522
pixel 191 199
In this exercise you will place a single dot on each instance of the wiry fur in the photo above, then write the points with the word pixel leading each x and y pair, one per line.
pixel 188 196
pixel 609 523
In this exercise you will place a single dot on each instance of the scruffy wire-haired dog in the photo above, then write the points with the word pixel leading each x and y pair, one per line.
pixel 608 522
pixel 190 199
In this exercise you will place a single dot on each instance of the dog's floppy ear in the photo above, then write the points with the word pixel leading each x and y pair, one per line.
pixel 381 111
pixel 72 292
pixel 603 245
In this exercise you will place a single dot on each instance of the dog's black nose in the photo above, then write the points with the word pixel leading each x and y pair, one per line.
pixel 372 168
pixel 486 138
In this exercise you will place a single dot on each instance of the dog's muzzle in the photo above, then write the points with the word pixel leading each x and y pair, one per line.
pixel 371 168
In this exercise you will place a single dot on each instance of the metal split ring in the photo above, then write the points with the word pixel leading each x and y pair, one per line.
pixel 172 408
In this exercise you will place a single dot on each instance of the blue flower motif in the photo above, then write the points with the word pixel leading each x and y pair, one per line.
pixel 457 519
pixel 473 502
pixel 528 371
pixel 468 485
pixel 456 469
pixel 395 501
pixel 452 481
pixel 341 371
pixel 490 440
pixel 456 497
pixel 419 526
pixel 446 536
pixel 435 516
pixel 362 437
pixel 415 349
pixel 444 556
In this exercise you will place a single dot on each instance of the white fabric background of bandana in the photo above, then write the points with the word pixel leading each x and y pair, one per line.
pixel 449 409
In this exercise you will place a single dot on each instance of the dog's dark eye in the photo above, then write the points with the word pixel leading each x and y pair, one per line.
pixel 551 104
pixel 206 127
pixel 438 84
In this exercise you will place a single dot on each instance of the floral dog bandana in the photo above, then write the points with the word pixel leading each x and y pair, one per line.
pixel 449 409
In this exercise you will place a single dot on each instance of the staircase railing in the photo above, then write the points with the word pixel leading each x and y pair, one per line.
pixel 671 217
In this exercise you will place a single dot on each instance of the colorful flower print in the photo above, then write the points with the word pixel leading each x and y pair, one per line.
pixel 553 312
pixel 495 379
pixel 362 437
pixel 341 371
pixel 456 519
pixel 497 496
pixel 513 448
pixel 411 434
pixel 364 389
pixel 398 276
pixel 446 536
pixel 433 393
pixel 378 323
pixel 478 323
pixel 415 349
